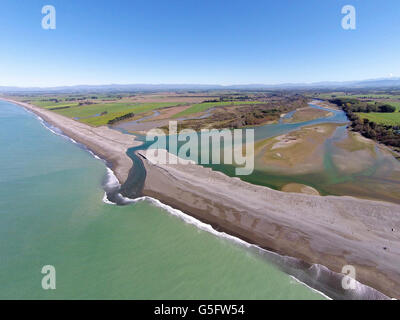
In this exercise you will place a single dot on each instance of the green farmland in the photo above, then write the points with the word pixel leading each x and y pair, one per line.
pixel 51 104
pixel 93 109
pixel 91 113
pixel 391 118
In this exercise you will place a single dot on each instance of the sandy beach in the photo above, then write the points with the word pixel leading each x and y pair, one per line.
pixel 109 144
pixel 332 231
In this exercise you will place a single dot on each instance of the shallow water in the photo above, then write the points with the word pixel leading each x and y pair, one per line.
pixel 378 178
pixel 52 213
pixel 378 175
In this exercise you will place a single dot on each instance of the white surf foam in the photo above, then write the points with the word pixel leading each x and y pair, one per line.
pixel 105 199
pixel 311 288
pixel 112 181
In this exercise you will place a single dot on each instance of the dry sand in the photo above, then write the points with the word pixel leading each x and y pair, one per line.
pixel 332 231
pixel 109 144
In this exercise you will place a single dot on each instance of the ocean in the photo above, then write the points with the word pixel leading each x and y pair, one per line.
pixel 53 212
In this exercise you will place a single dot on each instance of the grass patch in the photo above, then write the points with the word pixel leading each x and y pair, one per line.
pixel 391 118
pixel 52 104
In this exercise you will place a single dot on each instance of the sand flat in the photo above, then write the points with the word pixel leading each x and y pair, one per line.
pixel 307 114
pixel 299 151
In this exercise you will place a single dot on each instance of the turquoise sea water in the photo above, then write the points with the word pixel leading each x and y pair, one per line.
pixel 52 213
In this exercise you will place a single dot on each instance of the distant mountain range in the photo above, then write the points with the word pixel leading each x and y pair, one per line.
pixel 363 84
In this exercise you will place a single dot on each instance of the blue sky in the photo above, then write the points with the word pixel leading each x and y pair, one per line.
pixel 197 41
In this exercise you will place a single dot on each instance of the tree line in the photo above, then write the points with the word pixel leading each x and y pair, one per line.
pixel 120 118
pixel 356 105
pixel 386 134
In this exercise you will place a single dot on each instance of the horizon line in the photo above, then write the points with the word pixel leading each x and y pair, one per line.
pixel 205 84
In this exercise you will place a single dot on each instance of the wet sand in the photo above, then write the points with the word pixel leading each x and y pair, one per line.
pixel 109 144
pixel 331 231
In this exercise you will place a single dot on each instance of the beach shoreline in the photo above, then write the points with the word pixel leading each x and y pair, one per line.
pixel 331 231
pixel 108 144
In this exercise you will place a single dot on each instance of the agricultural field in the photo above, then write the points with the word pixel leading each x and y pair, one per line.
pixel 372 98
pixel 95 110
pixel 390 119
pixel 232 109
pixel 51 104
pixel 55 101
pixel 99 114
pixel 363 96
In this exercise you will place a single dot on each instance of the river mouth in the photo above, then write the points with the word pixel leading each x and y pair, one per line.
pixel 51 213
pixel 347 166
pixel 316 276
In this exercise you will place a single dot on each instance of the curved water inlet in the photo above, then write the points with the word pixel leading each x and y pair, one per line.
pixel 133 186
pixel 315 276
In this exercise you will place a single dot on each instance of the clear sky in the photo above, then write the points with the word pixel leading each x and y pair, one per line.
pixel 197 42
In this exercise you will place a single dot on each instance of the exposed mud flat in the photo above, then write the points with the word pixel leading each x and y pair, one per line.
pixel 295 152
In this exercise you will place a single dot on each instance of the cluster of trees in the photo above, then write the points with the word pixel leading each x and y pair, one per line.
pixel 124 117
pixel 51 100
pixel 388 135
pixel 75 98
pixel 236 98
pixel 229 99
pixel 356 105
pixel 239 116
pixel 59 108
pixel 84 103
pixel 257 114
